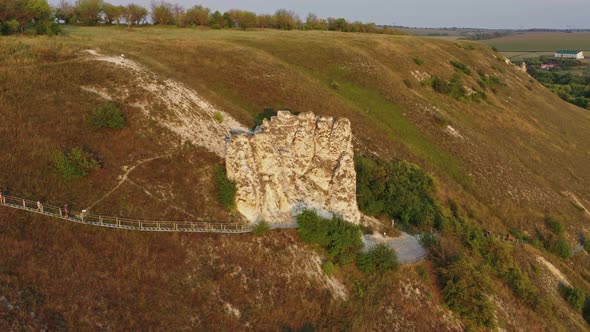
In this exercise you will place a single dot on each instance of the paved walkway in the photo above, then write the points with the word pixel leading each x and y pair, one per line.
pixel 408 247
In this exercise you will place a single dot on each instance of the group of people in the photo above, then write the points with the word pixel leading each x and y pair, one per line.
pixel 64 212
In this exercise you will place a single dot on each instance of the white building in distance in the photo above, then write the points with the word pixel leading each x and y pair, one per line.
pixel 569 54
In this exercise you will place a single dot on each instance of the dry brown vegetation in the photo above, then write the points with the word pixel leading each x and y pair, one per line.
pixel 507 162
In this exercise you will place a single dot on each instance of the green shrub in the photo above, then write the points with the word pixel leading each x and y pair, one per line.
pixel 261 228
pixel 440 85
pixel 495 49
pixel 340 239
pixel 378 259
pixel 107 116
pixel 554 225
pixel 464 291
pixel 47 28
pixel 75 164
pixel 217 116
pixel 522 286
pixel 561 249
pixel 418 61
pixel 328 267
pixel 575 297
pixel 456 88
pixel 461 66
pixel 226 189
pixel 407 83
pixel 401 190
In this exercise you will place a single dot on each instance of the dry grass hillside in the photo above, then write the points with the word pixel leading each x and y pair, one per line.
pixel 509 159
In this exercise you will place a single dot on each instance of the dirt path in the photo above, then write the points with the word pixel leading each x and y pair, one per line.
pixel 408 247
pixel 124 177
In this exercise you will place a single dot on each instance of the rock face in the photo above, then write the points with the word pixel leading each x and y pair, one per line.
pixel 291 163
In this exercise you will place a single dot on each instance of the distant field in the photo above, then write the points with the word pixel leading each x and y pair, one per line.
pixel 540 43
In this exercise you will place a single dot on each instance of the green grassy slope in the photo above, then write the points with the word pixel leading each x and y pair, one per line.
pixel 509 159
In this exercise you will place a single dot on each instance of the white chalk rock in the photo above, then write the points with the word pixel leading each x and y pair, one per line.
pixel 291 163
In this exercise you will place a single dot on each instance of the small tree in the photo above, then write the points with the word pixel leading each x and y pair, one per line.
pixel 554 225
pixel 88 12
pixel 75 164
pixel 107 116
pixel 162 13
pixel 561 249
pixel 285 19
pixel 575 297
pixel 378 259
pixel 134 14
pixel 340 239
pixel 112 13
pixel 197 15
pixel 64 11
pixel 216 20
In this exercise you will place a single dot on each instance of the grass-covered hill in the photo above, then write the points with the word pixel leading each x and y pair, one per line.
pixel 505 151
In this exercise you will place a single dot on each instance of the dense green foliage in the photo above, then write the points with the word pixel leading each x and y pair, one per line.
pixel 464 289
pixel 554 225
pixel 94 12
pixel 107 116
pixel 378 259
pixel 261 228
pixel 398 189
pixel 226 189
pixel 455 88
pixel 341 240
pixel 500 257
pixel 561 249
pixel 460 66
pixel 576 297
pixel 465 271
pixel 75 164
pixel 562 80
pixel 30 16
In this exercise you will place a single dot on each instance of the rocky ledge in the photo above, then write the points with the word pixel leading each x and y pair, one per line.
pixel 293 162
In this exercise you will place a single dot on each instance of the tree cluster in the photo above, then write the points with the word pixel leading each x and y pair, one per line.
pixel 16 16
pixel 399 190
pixel 571 87
pixel 94 12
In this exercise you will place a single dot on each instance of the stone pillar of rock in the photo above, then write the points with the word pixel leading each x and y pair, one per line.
pixel 294 162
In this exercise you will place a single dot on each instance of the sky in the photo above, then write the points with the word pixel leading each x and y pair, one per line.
pixel 512 14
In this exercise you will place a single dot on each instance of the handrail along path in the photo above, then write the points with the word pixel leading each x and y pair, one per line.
pixel 125 223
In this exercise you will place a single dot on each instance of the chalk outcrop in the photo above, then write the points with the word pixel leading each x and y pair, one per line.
pixel 294 162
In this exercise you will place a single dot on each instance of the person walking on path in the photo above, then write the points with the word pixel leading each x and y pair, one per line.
pixel 2 200
pixel 39 207
pixel 66 211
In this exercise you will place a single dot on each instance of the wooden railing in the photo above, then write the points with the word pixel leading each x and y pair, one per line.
pixel 126 223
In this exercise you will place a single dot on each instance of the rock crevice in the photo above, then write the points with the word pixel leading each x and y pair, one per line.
pixel 294 162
